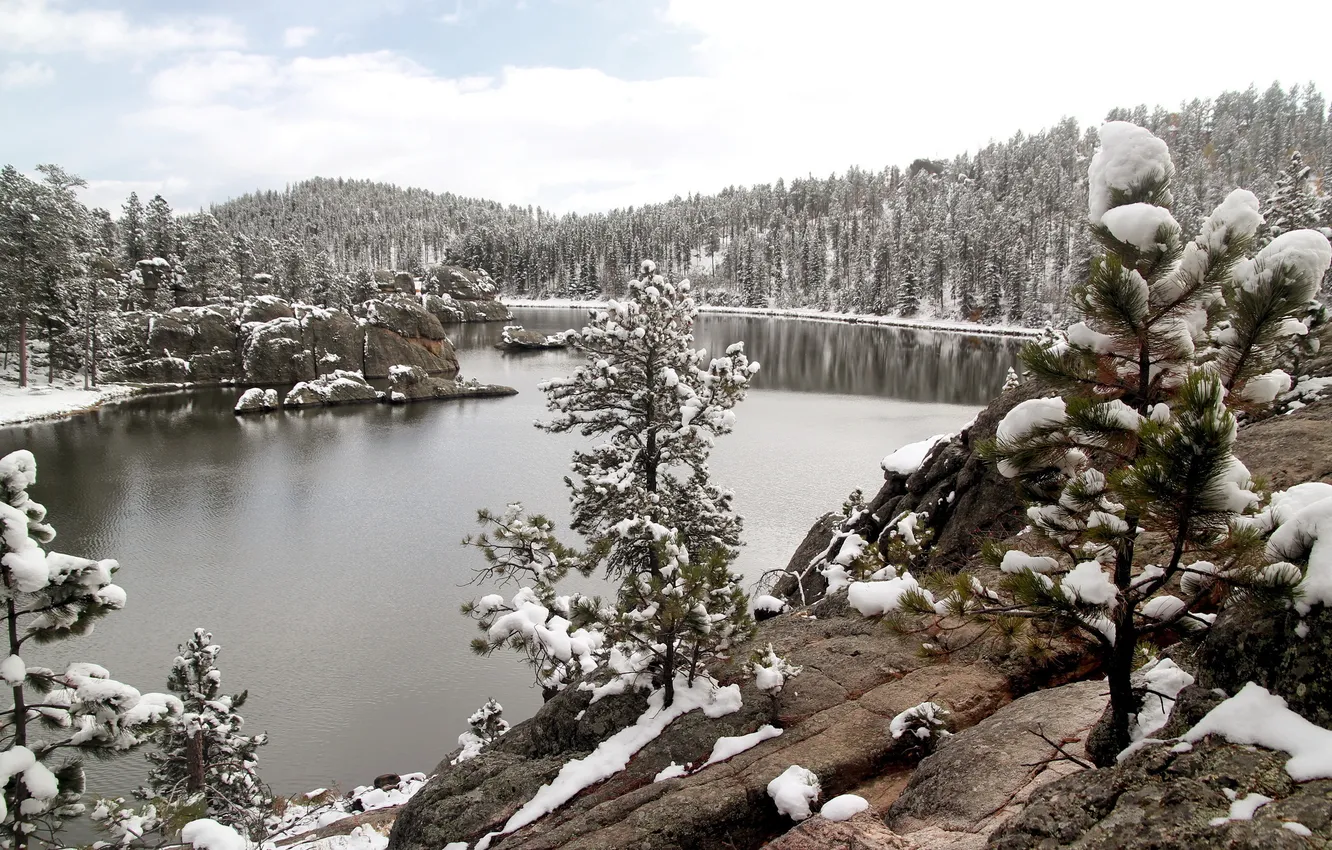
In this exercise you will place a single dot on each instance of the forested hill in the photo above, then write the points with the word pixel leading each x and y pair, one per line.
pixel 996 235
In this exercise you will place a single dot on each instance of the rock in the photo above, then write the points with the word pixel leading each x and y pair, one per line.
pixel 835 718
pixel 1159 799
pixel 411 383
pixel 404 315
pixel 444 308
pixel 387 780
pixel 265 308
pixel 336 340
pixel 212 368
pixel 800 584
pixel 171 333
pixel 256 400
pixel 211 330
pixel 1290 449
pixel 275 353
pixel 865 831
pixel 978 778
pixel 460 283
pixel 153 370
pixel 385 349
pixel 340 387
pixel 1248 644
pixel 518 338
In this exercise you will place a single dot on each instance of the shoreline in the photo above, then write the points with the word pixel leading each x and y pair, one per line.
pixel 44 402
pixel 804 314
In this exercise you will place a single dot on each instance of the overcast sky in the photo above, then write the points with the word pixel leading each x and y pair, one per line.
pixel 589 104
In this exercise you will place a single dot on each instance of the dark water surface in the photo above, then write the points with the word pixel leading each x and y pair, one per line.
pixel 321 547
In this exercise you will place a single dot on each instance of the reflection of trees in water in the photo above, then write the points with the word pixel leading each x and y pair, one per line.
pixel 830 357
pixel 867 359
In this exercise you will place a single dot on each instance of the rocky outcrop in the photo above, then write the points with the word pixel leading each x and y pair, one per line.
pixel 268 341
pixel 836 715
pixel 1157 798
pixel 454 294
pixel 336 388
pixel 411 383
pixel 979 778
pixel 518 338
pixel 257 400
pixel 864 831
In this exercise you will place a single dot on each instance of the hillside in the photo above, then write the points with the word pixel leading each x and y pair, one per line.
pixel 990 235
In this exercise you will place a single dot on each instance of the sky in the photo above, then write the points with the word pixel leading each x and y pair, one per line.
pixel 586 105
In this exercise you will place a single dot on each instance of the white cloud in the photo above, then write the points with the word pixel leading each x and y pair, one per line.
pixel 49 27
pixel 298 36
pixel 776 90
pixel 25 75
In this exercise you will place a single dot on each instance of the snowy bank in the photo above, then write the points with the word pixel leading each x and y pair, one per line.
pixel 922 323
pixel 47 401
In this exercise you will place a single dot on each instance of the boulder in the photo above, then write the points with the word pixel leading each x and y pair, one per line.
pixel 339 387
pixel 210 330
pixel 385 349
pixel 1250 644
pixel 1157 798
pixel 1290 449
pixel 444 308
pixel 411 383
pixel 404 315
pixel 212 367
pixel 978 778
pixel 336 340
pixel 275 353
pixel 463 284
pixel 152 370
pixel 256 400
pixel 265 308
pixel 173 334
pixel 518 338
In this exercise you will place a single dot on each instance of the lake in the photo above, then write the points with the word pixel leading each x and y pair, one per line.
pixel 321 547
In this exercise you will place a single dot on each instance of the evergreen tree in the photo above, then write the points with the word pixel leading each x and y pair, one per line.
pixel 1140 437
pixel 134 230
pixel 1292 205
pixel 52 717
pixel 159 228
pixel 202 753
pixel 642 499
pixel 208 260
pixel 908 297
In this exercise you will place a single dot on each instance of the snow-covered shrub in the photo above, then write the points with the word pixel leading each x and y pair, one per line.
pixel 922 725
pixel 203 755
pixel 1137 435
pixel 486 724
pixel 54 717
pixel 771 670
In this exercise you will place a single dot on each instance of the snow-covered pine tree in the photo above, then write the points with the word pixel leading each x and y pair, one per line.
pixel 908 297
pixel 53 717
pixel 643 500
pixel 1292 205
pixel 1139 437
pixel 203 755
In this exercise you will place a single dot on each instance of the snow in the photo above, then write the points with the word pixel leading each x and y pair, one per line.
pixel 208 834
pixel 1087 582
pixel 44 401
pixel 873 598
pixel 794 791
pixel 1307 253
pixel 671 771
pixel 1023 419
pixel 1016 561
pixel 1305 519
pixel 1137 224
pixel 909 458
pixel 771 673
pixel 613 754
pixel 1163 607
pixel 1237 216
pixel 733 745
pixel 1242 809
pixel 1128 159
pixel 1259 717
pixel 920 720
pixel 1297 828
pixel 1165 679
pixel 1081 335
pixel 843 807
pixel 1263 389
pixel 13 670
pixel 766 602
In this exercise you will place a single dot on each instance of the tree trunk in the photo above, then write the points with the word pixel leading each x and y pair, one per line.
pixel 23 350
pixel 19 718
pixel 668 686
pixel 194 759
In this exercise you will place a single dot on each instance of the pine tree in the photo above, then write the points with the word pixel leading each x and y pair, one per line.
pixel 160 228
pixel 133 228
pixel 208 259
pixel 1140 437
pixel 54 716
pixel 202 753
pixel 908 297
pixel 642 499
pixel 1292 205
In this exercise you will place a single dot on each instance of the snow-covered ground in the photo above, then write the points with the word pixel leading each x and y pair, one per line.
pixel 41 400
pixel 920 323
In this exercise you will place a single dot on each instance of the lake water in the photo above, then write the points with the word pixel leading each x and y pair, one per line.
pixel 321 547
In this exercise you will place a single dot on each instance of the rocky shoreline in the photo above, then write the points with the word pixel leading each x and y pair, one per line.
pixel 1015 773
